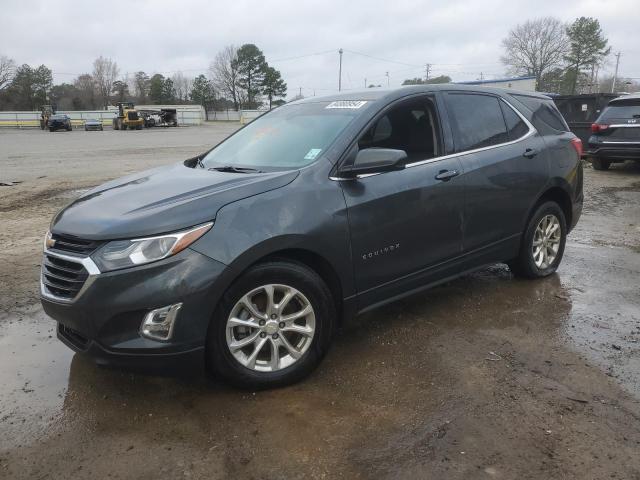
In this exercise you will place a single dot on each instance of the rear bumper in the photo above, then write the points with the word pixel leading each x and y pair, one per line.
pixel 614 152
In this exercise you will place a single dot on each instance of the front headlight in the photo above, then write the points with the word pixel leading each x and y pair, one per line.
pixel 128 253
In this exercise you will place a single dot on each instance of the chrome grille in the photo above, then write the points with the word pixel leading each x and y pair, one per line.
pixel 67 243
pixel 63 278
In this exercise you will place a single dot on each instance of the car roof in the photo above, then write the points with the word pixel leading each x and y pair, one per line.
pixel 391 94
pixel 623 98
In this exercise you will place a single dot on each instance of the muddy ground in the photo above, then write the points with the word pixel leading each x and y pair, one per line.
pixel 485 377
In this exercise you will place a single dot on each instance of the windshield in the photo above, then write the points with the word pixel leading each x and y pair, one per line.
pixel 291 136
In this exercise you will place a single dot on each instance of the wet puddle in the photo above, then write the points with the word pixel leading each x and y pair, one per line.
pixel 34 376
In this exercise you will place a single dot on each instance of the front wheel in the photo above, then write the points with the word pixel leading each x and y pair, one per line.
pixel 543 243
pixel 272 327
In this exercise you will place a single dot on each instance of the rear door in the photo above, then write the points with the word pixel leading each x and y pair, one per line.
pixel 504 165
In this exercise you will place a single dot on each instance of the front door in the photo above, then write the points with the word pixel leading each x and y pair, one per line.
pixel 403 223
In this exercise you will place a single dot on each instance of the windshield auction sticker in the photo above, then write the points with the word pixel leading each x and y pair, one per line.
pixel 347 104
pixel 312 154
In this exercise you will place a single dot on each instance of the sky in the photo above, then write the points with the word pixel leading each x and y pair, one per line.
pixel 459 38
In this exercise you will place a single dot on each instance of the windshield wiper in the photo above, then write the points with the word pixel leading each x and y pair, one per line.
pixel 232 169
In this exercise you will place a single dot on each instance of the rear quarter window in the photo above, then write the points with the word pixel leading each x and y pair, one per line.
pixel 545 113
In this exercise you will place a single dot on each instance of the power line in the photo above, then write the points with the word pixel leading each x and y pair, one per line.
pixel 382 59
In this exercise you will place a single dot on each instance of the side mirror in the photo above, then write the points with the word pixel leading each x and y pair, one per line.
pixel 375 160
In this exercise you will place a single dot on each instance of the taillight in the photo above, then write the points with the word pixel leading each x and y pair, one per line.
pixel 597 127
pixel 577 144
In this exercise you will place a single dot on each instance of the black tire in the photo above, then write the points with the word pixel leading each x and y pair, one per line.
pixel 524 264
pixel 51 129
pixel 123 126
pixel 223 364
pixel 599 164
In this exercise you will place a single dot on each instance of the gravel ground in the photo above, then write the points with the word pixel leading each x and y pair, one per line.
pixel 485 377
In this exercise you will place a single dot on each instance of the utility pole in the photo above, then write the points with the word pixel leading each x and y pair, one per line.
pixel 340 71
pixel 427 68
pixel 300 92
pixel 387 75
pixel 615 75
pixel 365 82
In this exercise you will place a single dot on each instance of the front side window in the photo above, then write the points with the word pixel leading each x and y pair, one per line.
pixel 476 120
pixel 409 126
pixel 291 136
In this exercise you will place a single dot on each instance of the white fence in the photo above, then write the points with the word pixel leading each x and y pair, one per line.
pixel 242 116
pixel 187 115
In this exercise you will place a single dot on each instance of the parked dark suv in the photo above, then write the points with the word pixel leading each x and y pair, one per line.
pixel 248 257
pixel 58 122
pixel 616 133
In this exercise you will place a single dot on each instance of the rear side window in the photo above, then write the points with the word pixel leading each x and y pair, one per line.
pixel 476 120
pixel 544 111
pixel 516 128
pixel 623 110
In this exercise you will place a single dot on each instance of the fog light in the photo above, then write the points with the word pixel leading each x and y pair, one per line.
pixel 158 324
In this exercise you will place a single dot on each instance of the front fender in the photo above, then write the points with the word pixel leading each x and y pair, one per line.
pixel 305 215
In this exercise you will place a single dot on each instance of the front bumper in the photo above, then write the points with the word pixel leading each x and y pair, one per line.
pixel 104 320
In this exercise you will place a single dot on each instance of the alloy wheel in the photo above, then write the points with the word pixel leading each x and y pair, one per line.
pixel 270 328
pixel 546 241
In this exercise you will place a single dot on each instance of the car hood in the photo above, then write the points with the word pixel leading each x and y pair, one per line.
pixel 161 200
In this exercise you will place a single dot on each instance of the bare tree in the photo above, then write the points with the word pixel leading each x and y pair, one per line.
pixel 105 72
pixel 224 73
pixel 182 86
pixel 536 46
pixel 86 86
pixel 7 70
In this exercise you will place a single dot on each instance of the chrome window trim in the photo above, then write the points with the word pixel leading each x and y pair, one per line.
pixel 532 131
pixel 617 143
pixel 625 125
pixel 88 264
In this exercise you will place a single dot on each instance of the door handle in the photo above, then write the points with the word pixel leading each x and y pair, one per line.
pixel 530 153
pixel 446 175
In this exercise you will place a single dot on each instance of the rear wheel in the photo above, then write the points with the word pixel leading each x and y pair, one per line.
pixel 543 243
pixel 599 164
pixel 272 327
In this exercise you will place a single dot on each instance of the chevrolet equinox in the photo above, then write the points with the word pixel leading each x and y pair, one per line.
pixel 248 257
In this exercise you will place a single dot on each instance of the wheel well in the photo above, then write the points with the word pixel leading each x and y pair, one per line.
pixel 319 265
pixel 559 196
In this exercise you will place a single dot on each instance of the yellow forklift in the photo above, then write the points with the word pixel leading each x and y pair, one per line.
pixel 128 117
pixel 46 112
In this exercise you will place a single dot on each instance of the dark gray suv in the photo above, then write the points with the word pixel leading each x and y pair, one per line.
pixel 615 136
pixel 248 257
